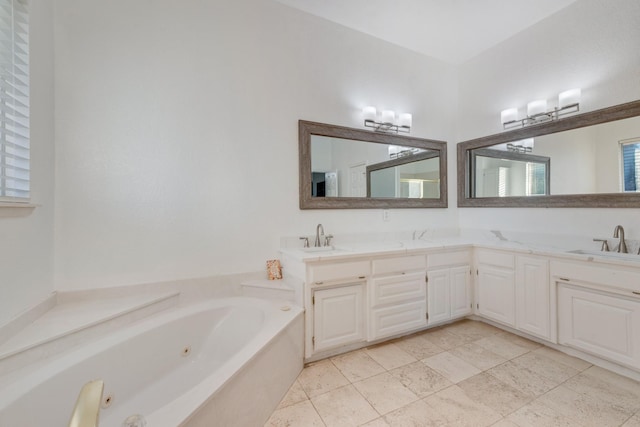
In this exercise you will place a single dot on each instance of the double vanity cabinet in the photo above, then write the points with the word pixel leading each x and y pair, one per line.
pixel 354 300
pixel 585 303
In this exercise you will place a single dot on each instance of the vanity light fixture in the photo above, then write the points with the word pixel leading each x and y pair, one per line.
pixel 537 112
pixel 523 146
pixel 387 122
pixel 398 151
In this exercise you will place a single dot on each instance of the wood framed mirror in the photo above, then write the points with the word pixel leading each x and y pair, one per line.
pixel 346 168
pixel 593 161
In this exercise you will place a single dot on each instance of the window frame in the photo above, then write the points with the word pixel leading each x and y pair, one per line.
pixel 623 143
pixel 15 158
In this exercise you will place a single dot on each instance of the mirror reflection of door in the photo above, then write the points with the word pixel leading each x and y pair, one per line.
pixel 324 184
pixel 358 180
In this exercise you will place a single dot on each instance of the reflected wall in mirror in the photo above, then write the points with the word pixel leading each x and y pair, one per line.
pixel 590 160
pixel 345 168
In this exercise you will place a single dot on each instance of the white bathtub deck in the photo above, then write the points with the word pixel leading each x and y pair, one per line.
pixel 78 317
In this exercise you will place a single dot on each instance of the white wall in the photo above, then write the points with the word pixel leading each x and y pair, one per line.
pixel 176 137
pixel 170 116
pixel 26 252
pixel 592 44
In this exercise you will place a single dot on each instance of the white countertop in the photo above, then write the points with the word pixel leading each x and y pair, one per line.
pixel 405 247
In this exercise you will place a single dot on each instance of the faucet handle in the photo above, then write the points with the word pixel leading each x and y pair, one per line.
pixel 327 239
pixel 605 244
pixel 306 241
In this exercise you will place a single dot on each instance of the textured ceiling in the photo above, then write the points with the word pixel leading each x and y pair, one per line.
pixel 453 31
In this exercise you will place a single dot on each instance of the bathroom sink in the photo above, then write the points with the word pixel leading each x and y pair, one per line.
pixel 371 246
pixel 604 254
pixel 314 249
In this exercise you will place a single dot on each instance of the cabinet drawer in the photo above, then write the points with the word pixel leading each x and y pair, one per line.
pixel 338 271
pixel 395 289
pixel 448 258
pixel 399 264
pixel 499 259
pixel 397 319
pixel 619 278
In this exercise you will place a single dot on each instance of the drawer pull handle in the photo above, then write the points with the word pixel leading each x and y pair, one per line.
pixel 319 283
pixel 563 278
pixel 361 277
pixel 635 292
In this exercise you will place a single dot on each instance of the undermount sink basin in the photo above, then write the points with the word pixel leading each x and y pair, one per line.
pixel 314 249
pixel 372 246
pixel 605 254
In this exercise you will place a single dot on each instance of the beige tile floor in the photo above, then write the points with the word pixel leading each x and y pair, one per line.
pixel 464 374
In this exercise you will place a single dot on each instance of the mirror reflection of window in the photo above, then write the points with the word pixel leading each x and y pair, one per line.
pixel 630 153
pixel 507 173
pixel 413 176
pixel 535 184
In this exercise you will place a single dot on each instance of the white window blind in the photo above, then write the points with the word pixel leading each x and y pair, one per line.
pixel 14 100
pixel 631 165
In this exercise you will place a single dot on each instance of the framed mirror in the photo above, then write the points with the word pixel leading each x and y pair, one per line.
pixel 587 160
pixel 346 168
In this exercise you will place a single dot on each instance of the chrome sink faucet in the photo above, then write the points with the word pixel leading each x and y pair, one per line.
pixel 319 232
pixel 622 246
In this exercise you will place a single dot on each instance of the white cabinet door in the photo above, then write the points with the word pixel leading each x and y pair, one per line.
pixel 599 323
pixel 338 316
pixel 533 296
pixel 496 294
pixel 438 295
pixel 460 287
pixel 448 293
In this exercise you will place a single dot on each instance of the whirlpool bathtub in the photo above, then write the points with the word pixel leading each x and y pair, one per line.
pixel 222 362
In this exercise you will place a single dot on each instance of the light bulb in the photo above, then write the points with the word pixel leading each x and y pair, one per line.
pixel 369 113
pixel 536 107
pixel 388 117
pixel 569 97
pixel 509 115
pixel 405 120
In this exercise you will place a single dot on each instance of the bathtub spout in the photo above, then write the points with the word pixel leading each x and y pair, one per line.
pixel 87 409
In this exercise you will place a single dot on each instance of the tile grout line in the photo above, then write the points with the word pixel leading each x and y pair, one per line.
pixel 477 336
